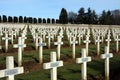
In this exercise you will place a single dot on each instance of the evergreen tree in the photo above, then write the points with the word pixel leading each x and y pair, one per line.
pixel 53 21
pixel 4 18
pixel 25 19
pixel 63 18
pixel 57 21
pixel 30 20
pixel 15 19
pixel 94 18
pixel 20 19
pixel 81 16
pixel 10 19
pixel 48 20
pixel 44 20
pixel 88 17
pixel 0 19
pixel 39 20
pixel 34 20
pixel 102 18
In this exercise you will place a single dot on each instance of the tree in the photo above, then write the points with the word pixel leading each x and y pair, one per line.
pixel 15 19
pixel 63 18
pixel 44 20
pixel 48 20
pixel 116 16
pixel 20 19
pixel 39 20
pixel 81 16
pixel 102 17
pixel 0 19
pixel 4 18
pixel 53 21
pixel 34 20
pixel 25 19
pixel 30 20
pixel 88 17
pixel 109 18
pixel 72 17
pixel 94 17
pixel 10 19
pixel 57 21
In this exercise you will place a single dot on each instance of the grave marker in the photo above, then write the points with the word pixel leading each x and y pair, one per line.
pixel 87 41
pixel 19 46
pixel 98 45
pixel 106 56
pixel 73 47
pixel 41 44
pixel 6 38
pixel 84 59
pixel 58 43
pixel 11 70
pixel 53 64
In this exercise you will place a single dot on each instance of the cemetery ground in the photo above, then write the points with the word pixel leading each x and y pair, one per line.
pixel 70 70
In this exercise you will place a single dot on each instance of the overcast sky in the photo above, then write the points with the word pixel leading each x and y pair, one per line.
pixel 52 8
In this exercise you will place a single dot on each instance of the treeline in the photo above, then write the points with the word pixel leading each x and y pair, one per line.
pixel 25 19
pixel 82 17
pixel 90 17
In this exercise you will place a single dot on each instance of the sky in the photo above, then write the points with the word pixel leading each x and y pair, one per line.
pixel 52 8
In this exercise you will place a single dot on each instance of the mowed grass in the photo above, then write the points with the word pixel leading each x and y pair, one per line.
pixel 70 70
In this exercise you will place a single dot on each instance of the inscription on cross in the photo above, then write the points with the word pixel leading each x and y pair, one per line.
pixel 11 70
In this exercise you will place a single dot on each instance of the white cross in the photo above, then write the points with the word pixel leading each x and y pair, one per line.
pixel 36 41
pixel 73 50
pixel 49 39
pixel 19 46
pixel 11 70
pixel 108 41
pixel 87 41
pixel 53 64
pixel 106 56
pixel 84 59
pixel 6 38
pixel 23 39
pixel 98 45
pixel 41 44
pixel 58 43
pixel 117 43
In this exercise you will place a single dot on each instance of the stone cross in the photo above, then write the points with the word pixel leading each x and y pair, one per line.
pixel 11 70
pixel 87 41
pixel 53 64
pixel 73 47
pixel 36 41
pixel 49 39
pixel 58 43
pixel 19 46
pixel 41 44
pixel 23 37
pixel 106 56
pixel 108 40
pixel 84 59
pixel 6 38
pixel 117 43
pixel 98 44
